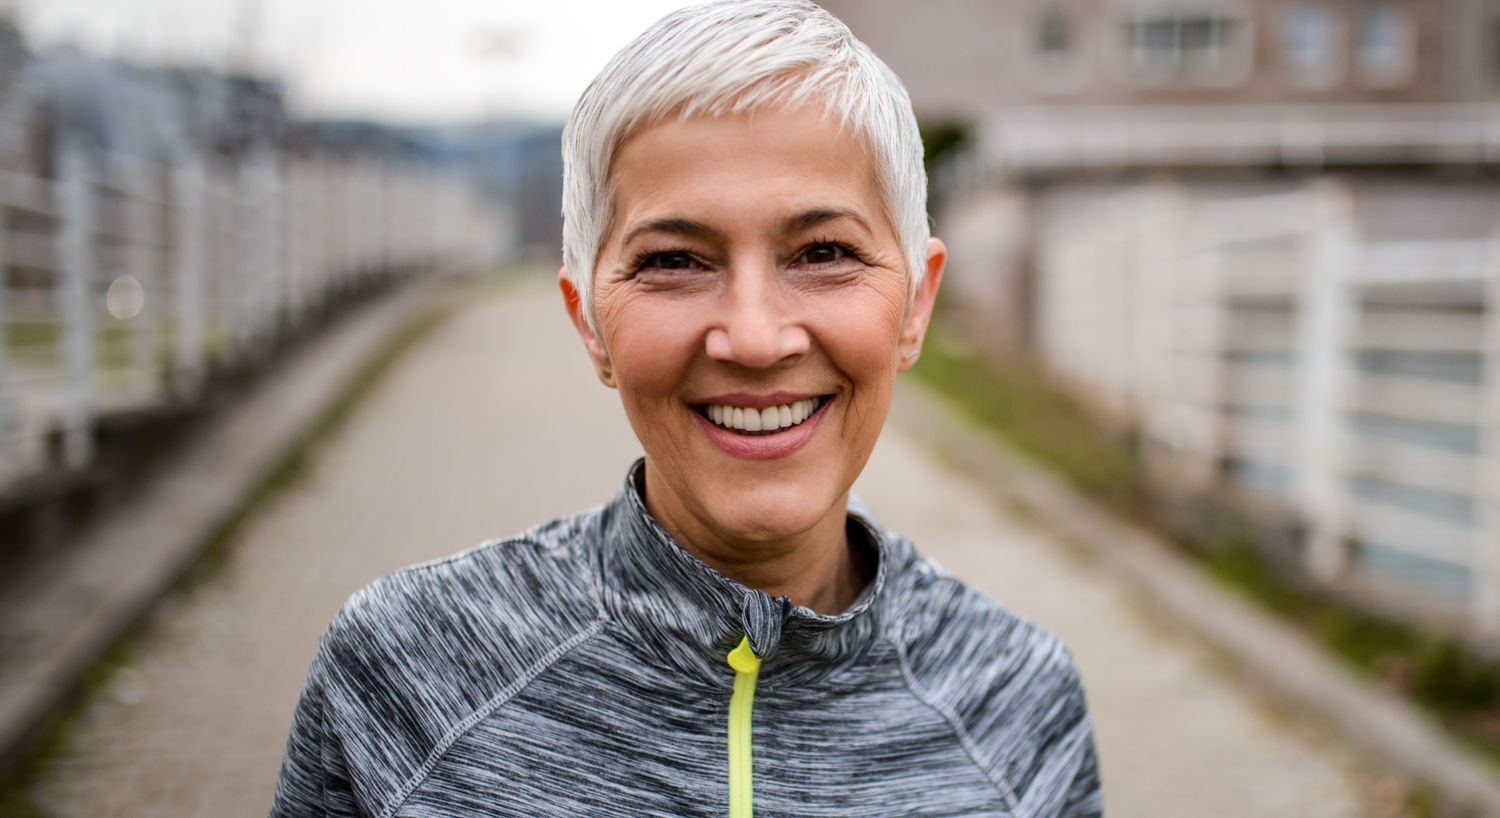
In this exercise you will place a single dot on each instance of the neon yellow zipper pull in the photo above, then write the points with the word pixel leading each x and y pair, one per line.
pixel 741 773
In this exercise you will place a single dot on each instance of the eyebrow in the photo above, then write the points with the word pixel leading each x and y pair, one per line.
pixel 813 218
pixel 792 224
pixel 677 227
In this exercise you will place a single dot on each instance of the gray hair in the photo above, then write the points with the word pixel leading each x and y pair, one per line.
pixel 728 57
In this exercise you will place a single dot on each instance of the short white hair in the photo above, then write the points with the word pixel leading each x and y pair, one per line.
pixel 728 57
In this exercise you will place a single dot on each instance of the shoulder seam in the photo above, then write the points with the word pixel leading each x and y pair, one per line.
pixel 458 730
pixel 1006 794
pixel 471 551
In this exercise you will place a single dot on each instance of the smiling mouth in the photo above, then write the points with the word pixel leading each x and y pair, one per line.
pixel 772 419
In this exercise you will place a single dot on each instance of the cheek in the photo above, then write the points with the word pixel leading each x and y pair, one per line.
pixel 650 346
pixel 863 328
pixel 860 339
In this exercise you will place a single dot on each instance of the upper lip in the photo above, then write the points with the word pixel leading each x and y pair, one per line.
pixel 750 401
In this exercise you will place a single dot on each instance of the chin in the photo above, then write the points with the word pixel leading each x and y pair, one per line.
pixel 774 512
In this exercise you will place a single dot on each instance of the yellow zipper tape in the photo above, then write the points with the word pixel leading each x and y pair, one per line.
pixel 741 773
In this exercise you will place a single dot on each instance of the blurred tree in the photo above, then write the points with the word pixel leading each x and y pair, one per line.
pixel 13 59
pixel 942 140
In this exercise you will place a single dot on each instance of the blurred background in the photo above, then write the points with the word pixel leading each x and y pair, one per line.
pixel 1223 267
pixel 1258 237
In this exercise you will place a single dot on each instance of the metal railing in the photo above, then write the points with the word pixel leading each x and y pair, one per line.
pixel 1268 345
pixel 124 281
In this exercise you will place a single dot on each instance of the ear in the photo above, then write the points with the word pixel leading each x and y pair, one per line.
pixel 920 314
pixel 574 306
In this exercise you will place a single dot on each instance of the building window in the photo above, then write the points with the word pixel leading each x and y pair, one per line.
pixel 1061 63
pixel 1193 47
pixel 1385 43
pixel 1309 44
pixel 1054 36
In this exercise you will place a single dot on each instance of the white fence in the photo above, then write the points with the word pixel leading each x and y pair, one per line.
pixel 127 280
pixel 1268 346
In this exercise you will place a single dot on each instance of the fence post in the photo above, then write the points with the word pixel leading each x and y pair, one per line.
pixel 76 251
pixel 142 262
pixel 189 220
pixel 276 272
pixel 1485 568
pixel 383 211
pixel 1209 294
pixel 1151 303
pixel 240 266
pixel 324 256
pixel 292 218
pixel 1325 312
pixel 305 226
pixel 433 230
pixel 264 252
pixel 349 228
pixel 1174 320
pixel 7 391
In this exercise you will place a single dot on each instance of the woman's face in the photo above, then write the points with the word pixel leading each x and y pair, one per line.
pixel 752 304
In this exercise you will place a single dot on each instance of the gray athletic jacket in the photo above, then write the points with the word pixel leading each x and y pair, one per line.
pixel 582 669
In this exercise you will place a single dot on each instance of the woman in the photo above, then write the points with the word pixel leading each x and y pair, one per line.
pixel 747 261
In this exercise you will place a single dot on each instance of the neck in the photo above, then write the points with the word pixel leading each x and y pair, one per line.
pixel 818 568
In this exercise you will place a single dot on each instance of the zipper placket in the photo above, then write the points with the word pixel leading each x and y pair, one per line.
pixel 741 771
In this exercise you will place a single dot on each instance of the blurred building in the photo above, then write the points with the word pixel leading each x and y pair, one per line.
pixel 969 59
pixel 520 162
pixel 1057 91
pixel 1264 237
pixel 150 112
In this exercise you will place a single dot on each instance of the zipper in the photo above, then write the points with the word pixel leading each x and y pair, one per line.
pixel 741 773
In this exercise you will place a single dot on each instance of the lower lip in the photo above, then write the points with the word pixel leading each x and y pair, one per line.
pixel 763 447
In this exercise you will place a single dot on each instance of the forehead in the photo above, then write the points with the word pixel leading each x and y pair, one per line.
pixel 743 169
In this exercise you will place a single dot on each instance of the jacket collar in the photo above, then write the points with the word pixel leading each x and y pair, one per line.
pixel 683 613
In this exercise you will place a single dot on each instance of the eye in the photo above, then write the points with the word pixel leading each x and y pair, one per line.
pixel 666 260
pixel 825 253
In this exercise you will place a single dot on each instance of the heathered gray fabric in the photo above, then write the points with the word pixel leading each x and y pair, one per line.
pixel 579 669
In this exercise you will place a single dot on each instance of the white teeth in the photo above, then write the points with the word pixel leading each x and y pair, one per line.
pixel 769 419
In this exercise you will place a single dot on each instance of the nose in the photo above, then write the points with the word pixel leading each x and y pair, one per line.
pixel 756 325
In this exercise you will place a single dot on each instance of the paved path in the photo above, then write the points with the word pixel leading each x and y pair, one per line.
pixel 195 724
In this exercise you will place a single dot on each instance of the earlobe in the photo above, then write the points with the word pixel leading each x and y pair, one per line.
pixel 573 303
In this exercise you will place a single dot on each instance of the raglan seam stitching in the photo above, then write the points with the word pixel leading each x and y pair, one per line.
pixel 484 711
pixel 964 740
pixel 475 551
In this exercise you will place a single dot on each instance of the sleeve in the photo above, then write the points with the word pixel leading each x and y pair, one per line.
pixel 314 781
pixel 1085 796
